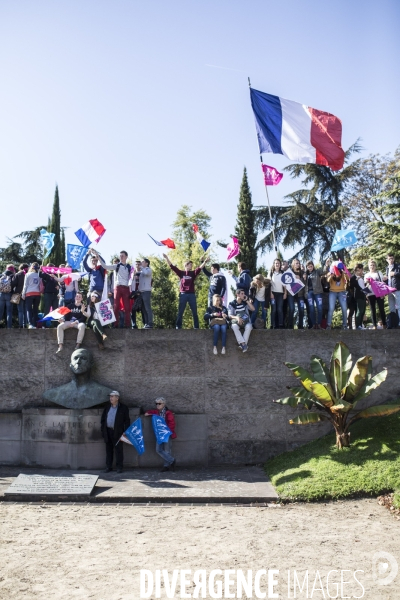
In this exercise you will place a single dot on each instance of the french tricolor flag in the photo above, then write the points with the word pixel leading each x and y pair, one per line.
pixel 203 243
pixel 92 231
pixel 299 132
pixel 58 313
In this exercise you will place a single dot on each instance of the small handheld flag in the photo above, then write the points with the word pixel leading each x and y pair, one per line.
pixel 134 436
pixel 343 239
pixel 271 175
pixel 161 429
pixel 203 243
pixel 56 314
pixel 70 277
pixel 380 289
pixel 92 231
pixel 47 241
pixel 233 248
pixel 75 255
pixel 168 242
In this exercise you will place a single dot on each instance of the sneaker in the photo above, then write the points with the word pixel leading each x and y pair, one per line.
pixel 173 465
pixel 31 327
pixel 148 327
pixel 164 469
pixel 60 350
pixel 244 347
pixel 360 327
pixel 108 470
pixel 328 327
pixel 119 470
pixel 223 351
pixel 215 351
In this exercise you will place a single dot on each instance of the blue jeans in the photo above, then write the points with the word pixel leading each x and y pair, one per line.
pixel 5 303
pixel 317 299
pixel 292 301
pixel 32 307
pixel 342 297
pixel 277 308
pixel 219 328
pixel 256 304
pixel 187 298
pixel 22 318
pixel 164 450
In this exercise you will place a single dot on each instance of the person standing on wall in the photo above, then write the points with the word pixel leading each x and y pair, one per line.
pixel 217 282
pixel 186 290
pixel 96 272
pixel 114 421
pixel 121 285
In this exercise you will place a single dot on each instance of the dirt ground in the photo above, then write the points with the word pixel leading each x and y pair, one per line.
pixel 96 551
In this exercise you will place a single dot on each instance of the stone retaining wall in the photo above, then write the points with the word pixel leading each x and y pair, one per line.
pixel 231 394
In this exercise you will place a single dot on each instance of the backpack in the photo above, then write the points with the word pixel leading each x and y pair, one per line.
pixel 126 265
pixel 5 284
pixel 392 320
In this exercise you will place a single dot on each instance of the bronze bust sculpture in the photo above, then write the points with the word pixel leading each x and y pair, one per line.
pixel 82 391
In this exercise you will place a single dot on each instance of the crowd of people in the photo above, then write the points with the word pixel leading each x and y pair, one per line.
pixel 261 301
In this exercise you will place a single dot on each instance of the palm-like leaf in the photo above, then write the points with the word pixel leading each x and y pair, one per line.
pixel 358 377
pixel 308 418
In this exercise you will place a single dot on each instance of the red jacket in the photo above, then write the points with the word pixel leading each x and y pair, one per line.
pixel 169 419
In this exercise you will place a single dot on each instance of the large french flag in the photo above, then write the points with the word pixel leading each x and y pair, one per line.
pixel 299 132
pixel 92 231
pixel 58 313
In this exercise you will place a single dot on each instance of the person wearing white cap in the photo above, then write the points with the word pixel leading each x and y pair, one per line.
pixel 114 421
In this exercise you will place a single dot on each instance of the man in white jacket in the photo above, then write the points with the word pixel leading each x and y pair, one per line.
pixel 144 274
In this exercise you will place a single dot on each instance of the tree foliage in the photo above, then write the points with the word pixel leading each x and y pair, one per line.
pixel 245 229
pixel 27 250
pixel 164 296
pixel 57 255
pixel 315 211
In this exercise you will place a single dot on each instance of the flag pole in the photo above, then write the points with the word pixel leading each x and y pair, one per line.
pixel 266 191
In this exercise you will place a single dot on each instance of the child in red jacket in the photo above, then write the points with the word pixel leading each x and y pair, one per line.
pixel 164 449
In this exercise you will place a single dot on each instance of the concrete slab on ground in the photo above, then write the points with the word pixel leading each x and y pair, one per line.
pixel 206 485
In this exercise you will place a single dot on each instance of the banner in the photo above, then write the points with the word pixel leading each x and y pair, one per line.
pixel 56 270
pixel 161 429
pixel 291 282
pixel 271 175
pixel 134 436
pixel 75 255
pixel 47 241
pixel 343 239
pixel 105 311
pixel 233 249
pixel 378 288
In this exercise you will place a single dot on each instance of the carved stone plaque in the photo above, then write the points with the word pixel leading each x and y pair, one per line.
pixel 47 485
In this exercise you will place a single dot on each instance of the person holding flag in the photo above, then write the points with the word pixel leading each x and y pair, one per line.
pixel 163 448
pixel 186 290
pixel 96 272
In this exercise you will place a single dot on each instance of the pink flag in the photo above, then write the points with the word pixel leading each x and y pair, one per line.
pixel 56 270
pixel 271 175
pixel 380 289
pixel 233 249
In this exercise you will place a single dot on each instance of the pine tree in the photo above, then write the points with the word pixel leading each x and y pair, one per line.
pixel 56 256
pixel 245 229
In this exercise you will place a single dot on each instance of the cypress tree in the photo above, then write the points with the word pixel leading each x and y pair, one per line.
pixel 57 255
pixel 63 261
pixel 245 229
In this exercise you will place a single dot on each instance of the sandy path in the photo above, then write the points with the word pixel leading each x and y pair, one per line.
pixel 90 551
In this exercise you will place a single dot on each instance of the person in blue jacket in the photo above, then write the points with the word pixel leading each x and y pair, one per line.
pixel 243 282
pixel 96 272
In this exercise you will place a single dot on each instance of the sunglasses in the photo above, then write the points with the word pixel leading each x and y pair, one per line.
pixel 159 403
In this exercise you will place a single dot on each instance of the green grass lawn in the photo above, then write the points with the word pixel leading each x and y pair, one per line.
pixel 319 471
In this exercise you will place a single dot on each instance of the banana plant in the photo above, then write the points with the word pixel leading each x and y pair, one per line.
pixel 332 394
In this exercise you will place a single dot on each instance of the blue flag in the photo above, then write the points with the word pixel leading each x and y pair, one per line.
pixel 344 238
pixel 161 429
pixel 134 436
pixel 75 255
pixel 47 241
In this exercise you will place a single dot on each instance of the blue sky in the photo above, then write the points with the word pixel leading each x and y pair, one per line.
pixel 116 102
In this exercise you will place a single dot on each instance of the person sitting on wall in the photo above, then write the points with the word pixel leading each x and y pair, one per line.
pixel 238 310
pixel 164 449
pixel 218 319
pixel 76 318
pixel 114 421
